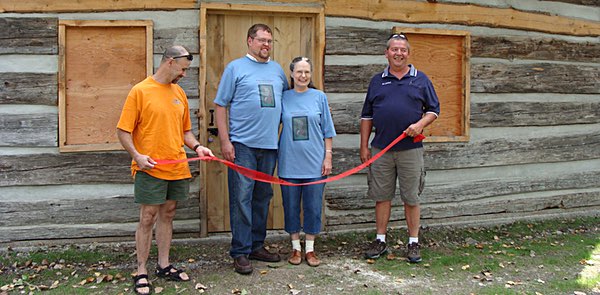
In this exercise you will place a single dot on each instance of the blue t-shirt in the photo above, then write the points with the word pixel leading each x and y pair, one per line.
pixel 306 121
pixel 394 104
pixel 253 90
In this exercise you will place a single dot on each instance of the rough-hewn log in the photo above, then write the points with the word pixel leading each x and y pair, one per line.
pixel 352 40
pixel 28 88
pixel 114 209
pixel 344 79
pixel 37 130
pixel 28 35
pixel 539 77
pixel 68 168
pixel 346 197
pixel 594 3
pixel 93 5
pixel 46 232
pixel 346 116
pixel 520 47
pixel 465 14
pixel 187 37
pixel 494 152
pixel 496 114
pixel 490 78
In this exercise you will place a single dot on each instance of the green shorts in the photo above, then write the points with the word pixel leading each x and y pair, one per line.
pixel 149 190
pixel 407 166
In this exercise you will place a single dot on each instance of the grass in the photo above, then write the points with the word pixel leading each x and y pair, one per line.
pixel 552 257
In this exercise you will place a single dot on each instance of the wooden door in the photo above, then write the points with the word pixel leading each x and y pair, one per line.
pixel 223 29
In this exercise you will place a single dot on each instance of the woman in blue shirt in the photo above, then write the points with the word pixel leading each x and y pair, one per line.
pixel 304 156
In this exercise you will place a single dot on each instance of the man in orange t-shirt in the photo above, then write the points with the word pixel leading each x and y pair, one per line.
pixel 155 124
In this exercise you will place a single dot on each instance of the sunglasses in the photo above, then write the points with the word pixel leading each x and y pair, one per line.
pixel 188 56
pixel 398 36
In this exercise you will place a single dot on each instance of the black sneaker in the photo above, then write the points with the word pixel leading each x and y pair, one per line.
pixel 376 249
pixel 414 253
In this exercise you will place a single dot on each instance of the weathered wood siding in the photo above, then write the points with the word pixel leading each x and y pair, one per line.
pixel 534 127
pixel 74 202
pixel 535 96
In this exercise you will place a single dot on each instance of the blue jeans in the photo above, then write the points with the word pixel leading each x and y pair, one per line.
pixel 311 197
pixel 249 200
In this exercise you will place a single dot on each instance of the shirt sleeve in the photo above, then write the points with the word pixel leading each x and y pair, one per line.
pixel 432 104
pixel 130 113
pixel 326 120
pixel 226 87
pixel 367 110
pixel 187 121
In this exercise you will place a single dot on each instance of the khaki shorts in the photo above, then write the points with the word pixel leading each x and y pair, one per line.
pixel 407 166
pixel 149 190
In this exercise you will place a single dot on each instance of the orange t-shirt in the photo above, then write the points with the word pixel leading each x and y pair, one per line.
pixel 157 115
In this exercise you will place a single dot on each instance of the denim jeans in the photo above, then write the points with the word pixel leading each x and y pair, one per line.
pixel 311 197
pixel 249 200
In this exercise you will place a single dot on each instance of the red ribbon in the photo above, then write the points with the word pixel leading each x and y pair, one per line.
pixel 260 176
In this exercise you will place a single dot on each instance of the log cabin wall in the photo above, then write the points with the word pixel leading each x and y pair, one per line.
pixel 534 149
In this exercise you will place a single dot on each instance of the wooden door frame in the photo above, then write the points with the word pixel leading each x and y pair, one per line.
pixel 318 13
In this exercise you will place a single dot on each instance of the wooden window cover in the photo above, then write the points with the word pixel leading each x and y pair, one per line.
pixel 444 56
pixel 99 60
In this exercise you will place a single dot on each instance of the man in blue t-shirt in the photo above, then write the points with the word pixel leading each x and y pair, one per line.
pixel 399 99
pixel 251 88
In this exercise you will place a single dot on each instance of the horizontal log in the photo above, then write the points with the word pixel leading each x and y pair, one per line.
pixel 68 168
pixel 165 38
pixel 520 204
pixel 28 35
pixel 93 5
pixel 538 78
pixel 538 48
pixel 346 116
pixel 463 14
pixel 348 197
pixel 28 88
pixel 352 40
pixel 493 152
pixel 68 233
pixel 122 210
pixel 498 114
pixel 36 130
pixel 490 78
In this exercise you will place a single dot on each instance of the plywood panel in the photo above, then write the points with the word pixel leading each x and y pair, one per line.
pixel 99 63
pixel 94 79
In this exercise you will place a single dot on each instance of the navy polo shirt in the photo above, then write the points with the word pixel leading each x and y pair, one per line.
pixel 394 104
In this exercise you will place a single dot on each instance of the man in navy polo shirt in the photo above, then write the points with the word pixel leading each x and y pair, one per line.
pixel 400 99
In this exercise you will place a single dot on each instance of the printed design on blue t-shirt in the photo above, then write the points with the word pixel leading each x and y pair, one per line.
pixel 267 95
pixel 300 128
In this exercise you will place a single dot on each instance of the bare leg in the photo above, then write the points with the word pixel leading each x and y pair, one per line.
pixel 413 219
pixel 164 233
pixel 143 239
pixel 382 216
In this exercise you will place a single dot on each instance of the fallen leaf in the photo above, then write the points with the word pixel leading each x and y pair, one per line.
pixel 370 261
pixel 540 281
pixel 200 286
pixel 295 292
pixel 465 267
pixel 158 290
pixel 264 272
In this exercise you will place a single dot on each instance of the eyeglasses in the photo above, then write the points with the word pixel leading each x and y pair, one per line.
pixel 398 36
pixel 188 56
pixel 264 41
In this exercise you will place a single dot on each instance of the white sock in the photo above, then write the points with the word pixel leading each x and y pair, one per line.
pixel 413 240
pixel 296 245
pixel 310 246
pixel 381 237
